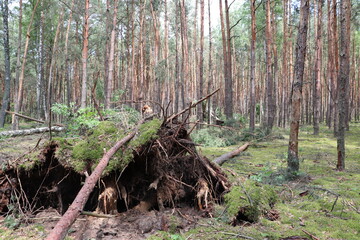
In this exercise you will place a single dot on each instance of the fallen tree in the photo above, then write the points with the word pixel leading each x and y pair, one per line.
pixel 223 158
pixel 15 133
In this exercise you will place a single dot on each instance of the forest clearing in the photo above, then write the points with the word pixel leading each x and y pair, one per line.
pixel 182 119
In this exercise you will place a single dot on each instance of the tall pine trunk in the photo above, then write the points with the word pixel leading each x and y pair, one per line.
pixel 252 65
pixel 300 53
pixel 85 54
pixel 6 97
pixel 343 79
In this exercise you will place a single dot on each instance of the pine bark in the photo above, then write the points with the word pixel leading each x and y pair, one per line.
pixel 343 79
pixel 6 97
pixel 252 65
pixel 300 53
pixel 85 54
pixel 317 72
pixel 110 75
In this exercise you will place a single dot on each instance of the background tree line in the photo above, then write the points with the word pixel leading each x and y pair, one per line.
pixel 108 53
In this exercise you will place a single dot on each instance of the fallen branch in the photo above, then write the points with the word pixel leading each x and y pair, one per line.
pixel 26 117
pixel 75 209
pixel 223 158
pixel 30 131
pixel 191 106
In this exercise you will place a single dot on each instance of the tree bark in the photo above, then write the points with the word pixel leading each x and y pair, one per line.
pixel 85 54
pixel 252 65
pixel 318 72
pixel 223 158
pixel 6 97
pixel 110 76
pixel 67 61
pixel 293 158
pixel 18 102
pixel 200 115
pixel 269 71
pixel 52 65
pixel 61 228
pixel 343 79
pixel 228 78
pixel 210 71
pixel 40 85
pixel 15 133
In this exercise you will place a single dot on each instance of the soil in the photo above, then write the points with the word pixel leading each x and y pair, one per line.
pixel 168 186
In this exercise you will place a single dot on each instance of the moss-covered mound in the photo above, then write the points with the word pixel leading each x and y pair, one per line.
pixel 250 200
pixel 83 155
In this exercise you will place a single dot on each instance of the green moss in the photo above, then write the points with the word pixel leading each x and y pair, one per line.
pixel 80 154
pixel 147 132
pixel 254 198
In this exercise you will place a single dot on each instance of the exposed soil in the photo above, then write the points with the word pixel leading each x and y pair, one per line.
pixel 167 186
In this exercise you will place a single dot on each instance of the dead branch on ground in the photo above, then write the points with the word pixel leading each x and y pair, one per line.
pixel 223 158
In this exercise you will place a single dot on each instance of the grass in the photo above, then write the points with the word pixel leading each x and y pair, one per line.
pixel 330 207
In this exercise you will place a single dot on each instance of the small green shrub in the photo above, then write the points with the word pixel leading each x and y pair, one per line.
pixel 215 137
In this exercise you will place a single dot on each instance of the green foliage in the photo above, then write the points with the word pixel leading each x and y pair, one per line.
pixel 215 137
pixel 76 120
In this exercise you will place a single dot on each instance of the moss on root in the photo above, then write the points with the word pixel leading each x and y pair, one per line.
pixel 84 154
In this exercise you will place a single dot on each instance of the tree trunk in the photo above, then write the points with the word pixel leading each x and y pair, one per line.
pixel 223 158
pixel 6 97
pixel 52 64
pixel 185 80
pixel 343 79
pixel 210 71
pixel 200 115
pixel 252 65
pixel 228 80
pixel 40 85
pixel 18 102
pixel 269 70
pixel 85 54
pixel 67 61
pixel 110 74
pixel 318 72
pixel 293 158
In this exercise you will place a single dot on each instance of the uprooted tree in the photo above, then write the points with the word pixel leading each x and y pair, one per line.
pixel 156 166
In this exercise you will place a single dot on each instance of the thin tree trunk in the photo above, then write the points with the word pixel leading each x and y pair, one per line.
pixel 6 97
pixel 52 64
pixel 293 158
pixel 252 65
pixel 19 100
pixel 111 58
pixel 210 70
pixel 185 80
pixel 228 80
pixel 318 72
pixel 85 54
pixel 67 61
pixel 335 68
pixel 269 70
pixel 200 114
pixel 343 78
pixel 40 75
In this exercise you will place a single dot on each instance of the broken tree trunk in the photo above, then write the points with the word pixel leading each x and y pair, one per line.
pixel 30 131
pixel 62 227
pixel 223 158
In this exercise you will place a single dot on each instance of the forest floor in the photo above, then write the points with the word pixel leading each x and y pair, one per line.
pixel 321 204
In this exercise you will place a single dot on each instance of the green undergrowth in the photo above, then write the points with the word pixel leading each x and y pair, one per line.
pixel 321 201
pixel 81 154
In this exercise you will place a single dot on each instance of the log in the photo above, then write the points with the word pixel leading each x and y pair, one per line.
pixel 223 158
pixel 30 131
pixel 61 228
